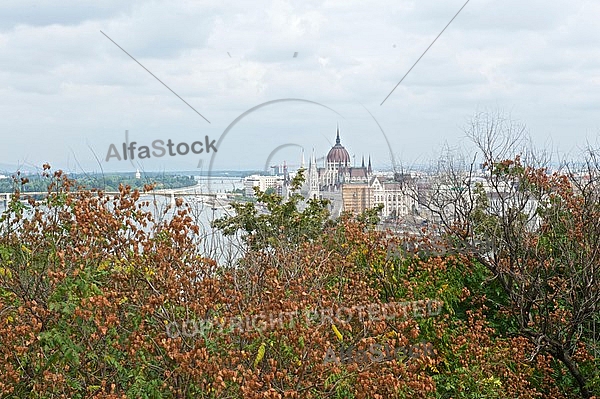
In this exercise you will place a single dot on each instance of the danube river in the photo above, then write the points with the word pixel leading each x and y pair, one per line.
pixel 203 209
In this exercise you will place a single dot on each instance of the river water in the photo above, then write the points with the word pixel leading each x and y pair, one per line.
pixel 203 212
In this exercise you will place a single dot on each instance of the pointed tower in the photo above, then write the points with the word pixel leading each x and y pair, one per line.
pixel 302 161
pixel 363 162
pixel 313 177
pixel 369 170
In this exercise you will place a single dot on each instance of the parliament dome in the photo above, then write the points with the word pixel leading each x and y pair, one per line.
pixel 338 153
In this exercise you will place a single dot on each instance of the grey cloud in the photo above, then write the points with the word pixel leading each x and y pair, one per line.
pixel 540 59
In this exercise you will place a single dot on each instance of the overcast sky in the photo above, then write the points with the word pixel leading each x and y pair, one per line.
pixel 67 92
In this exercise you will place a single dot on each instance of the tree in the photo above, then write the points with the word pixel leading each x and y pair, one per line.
pixel 283 221
pixel 537 232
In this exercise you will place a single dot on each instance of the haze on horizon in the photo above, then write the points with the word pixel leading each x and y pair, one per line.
pixel 68 93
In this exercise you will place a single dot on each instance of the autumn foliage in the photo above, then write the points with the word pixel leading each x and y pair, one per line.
pixel 91 285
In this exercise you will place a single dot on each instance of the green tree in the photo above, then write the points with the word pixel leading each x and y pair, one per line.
pixel 274 221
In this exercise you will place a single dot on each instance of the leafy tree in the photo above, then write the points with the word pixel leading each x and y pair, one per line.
pixel 538 235
pixel 273 221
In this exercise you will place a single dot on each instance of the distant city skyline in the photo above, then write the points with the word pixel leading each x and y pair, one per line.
pixel 68 92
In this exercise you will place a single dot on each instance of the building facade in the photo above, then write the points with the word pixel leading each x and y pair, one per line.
pixel 357 188
pixel 336 171
pixel 263 183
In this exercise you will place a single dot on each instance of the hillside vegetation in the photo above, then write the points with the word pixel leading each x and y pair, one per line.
pixel 100 300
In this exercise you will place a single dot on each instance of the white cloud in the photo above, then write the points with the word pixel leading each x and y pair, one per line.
pixel 64 85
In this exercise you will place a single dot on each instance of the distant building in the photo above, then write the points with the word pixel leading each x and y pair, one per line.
pixel 138 175
pixel 263 183
pixel 396 195
pixel 356 189
pixel 357 197
pixel 335 172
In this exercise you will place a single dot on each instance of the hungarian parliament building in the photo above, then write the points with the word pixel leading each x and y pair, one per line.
pixel 348 188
